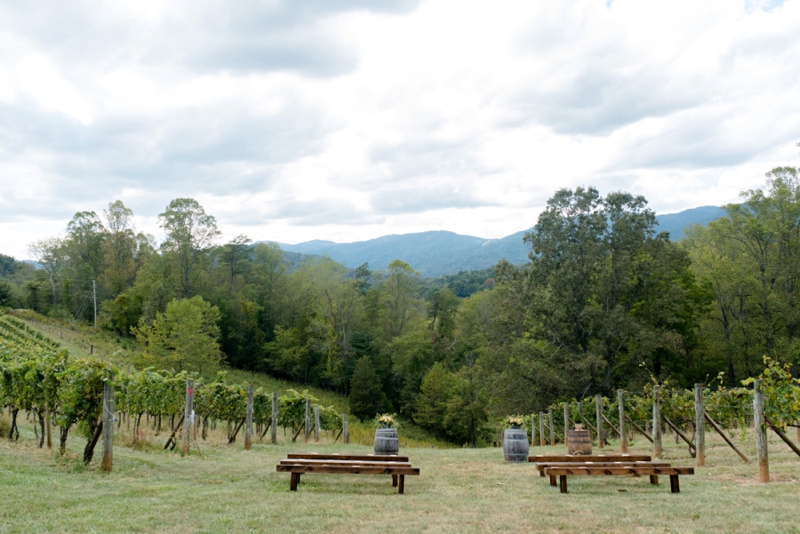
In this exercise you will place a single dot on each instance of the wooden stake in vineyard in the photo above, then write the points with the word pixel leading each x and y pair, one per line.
pixel 274 422
pixel 598 406
pixel 188 417
pixel 656 422
pixel 699 426
pixel 623 435
pixel 541 429
pixel 316 423
pixel 248 428
pixel 307 421
pixel 108 425
pixel 761 431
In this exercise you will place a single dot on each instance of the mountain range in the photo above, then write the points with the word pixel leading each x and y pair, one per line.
pixel 439 253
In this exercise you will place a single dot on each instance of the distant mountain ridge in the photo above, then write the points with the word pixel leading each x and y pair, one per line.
pixel 438 253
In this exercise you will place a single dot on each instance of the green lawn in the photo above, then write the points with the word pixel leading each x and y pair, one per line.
pixel 222 488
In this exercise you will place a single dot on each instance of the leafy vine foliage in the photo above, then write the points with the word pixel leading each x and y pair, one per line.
pixel 36 376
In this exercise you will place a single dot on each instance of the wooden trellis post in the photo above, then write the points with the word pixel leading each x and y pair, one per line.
pixel 623 429
pixel 566 422
pixel 761 431
pixel 533 429
pixel 108 425
pixel 307 421
pixel 345 431
pixel 699 427
pixel 541 429
pixel 187 417
pixel 552 427
pixel 316 423
pixel 248 428
pixel 274 423
pixel 598 405
pixel 656 422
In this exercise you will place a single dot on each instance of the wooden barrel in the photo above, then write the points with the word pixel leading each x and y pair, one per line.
pixel 579 442
pixel 515 445
pixel 386 441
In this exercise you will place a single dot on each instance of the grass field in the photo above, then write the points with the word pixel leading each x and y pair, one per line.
pixel 222 488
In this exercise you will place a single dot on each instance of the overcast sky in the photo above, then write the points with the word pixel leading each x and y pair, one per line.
pixel 322 119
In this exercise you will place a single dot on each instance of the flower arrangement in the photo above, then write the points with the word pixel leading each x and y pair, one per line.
pixel 515 421
pixel 386 420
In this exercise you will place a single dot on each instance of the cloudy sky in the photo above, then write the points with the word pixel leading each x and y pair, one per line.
pixel 340 120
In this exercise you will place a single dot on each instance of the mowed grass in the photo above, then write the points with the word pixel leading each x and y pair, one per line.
pixel 222 488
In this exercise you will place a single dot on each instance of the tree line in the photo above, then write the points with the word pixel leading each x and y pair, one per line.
pixel 605 302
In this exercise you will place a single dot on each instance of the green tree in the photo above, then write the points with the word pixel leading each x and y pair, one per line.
pixel 124 250
pixel 184 337
pixel 366 396
pixel 607 290
pixel 466 413
pixel 6 294
pixel 190 235
pixel 430 406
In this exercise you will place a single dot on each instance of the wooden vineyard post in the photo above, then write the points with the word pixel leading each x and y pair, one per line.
pixel 108 425
pixel 761 431
pixel 316 423
pixel 274 422
pixel 699 427
pixel 623 427
pixel 656 422
pixel 552 427
pixel 598 406
pixel 566 422
pixel 533 430
pixel 307 420
pixel 345 430
pixel 248 424
pixel 187 417
pixel 49 428
pixel 541 430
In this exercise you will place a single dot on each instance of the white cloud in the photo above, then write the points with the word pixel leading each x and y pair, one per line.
pixel 342 120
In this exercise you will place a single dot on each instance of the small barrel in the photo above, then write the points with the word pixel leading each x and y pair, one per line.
pixel 579 442
pixel 515 445
pixel 386 441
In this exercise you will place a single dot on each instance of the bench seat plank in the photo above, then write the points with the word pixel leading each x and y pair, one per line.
pixel 370 457
pixel 300 461
pixel 590 458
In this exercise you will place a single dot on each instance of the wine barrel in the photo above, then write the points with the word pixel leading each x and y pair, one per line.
pixel 386 441
pixel 515 445
pixel 579 442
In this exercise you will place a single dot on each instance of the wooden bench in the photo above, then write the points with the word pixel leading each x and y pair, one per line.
pixel 542 466
pixel 299 464
pixel 623 470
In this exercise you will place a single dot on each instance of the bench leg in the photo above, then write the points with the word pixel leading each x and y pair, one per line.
pixel 401 483
pixel 562 479
pixel 541 473
pixel 553 481
pixel 674 485
pixel 394 481
pixel 654 480
pixel 293 482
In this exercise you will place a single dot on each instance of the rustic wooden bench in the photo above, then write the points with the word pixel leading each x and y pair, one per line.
pixel 299 464
pixel 625 470
pixel 542 466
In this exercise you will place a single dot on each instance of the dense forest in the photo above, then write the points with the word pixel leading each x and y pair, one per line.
pixel 604 302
